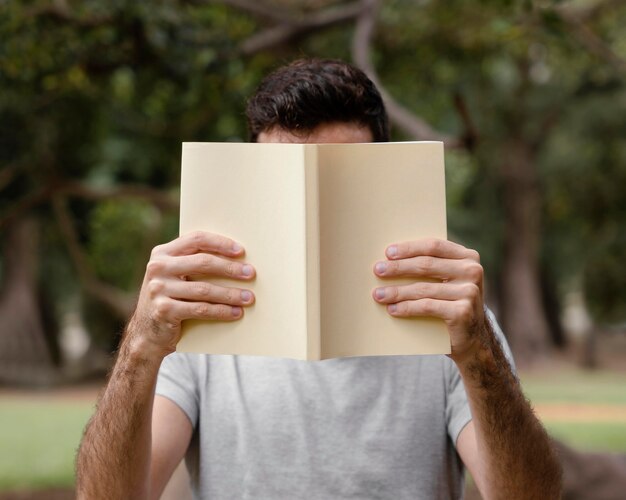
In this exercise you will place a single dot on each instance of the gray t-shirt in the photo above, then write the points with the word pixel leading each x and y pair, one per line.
pixel 357 428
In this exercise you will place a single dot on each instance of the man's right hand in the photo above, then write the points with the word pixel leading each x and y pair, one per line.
pixel 168 296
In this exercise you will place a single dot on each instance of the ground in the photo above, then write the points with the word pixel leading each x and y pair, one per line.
pixel 42 428
pixel 47 494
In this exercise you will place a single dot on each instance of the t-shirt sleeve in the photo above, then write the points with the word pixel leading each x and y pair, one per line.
pixel 458 413
pixel 178 382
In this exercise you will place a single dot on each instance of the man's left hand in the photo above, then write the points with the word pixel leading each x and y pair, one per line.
pixel 450 287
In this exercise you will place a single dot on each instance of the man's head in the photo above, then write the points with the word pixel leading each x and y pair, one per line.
pixel 317 100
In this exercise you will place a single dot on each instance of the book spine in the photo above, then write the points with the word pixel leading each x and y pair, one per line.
pixel 312 234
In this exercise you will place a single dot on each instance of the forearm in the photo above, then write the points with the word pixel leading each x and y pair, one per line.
pixel 515 453
pixel 114 456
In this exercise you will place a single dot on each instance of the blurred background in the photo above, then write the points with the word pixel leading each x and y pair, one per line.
pixel 97 96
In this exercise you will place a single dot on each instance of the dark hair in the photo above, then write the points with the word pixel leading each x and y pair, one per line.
pixel 310 92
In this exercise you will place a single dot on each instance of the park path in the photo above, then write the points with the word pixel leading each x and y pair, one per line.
pixel 562 412
pixel 80 393
pixel 575 412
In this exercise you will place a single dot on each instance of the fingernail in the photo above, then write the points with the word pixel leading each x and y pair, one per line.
pixel 392 251
pixel 380 293
pixel 392 308
pixel 236 247
pixel 236 311
pixel 246 296
pixel 381 267
pixel 246 270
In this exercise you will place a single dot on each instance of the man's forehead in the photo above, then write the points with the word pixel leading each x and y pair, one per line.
pixel 327 133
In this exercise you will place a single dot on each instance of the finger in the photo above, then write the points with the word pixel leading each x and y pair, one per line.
pixel 200 291
pixel 174 311
pixel 452 311
pixel 431 267
pixel 201 264
pixel 200 241
pixel 425 290
pixel 432 247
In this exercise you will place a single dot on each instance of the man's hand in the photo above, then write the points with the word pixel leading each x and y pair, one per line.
pixel 168 296
pixel 453 289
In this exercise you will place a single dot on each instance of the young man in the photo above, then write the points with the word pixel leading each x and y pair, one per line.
pixel 375 427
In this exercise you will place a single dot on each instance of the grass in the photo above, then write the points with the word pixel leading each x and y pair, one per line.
pixel 591 436
pixel 575 386
pixel 38 443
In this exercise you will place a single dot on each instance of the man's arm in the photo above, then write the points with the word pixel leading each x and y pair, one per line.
pixel 505 447
pixel 114 458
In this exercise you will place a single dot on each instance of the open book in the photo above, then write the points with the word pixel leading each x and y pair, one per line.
pixel 314 219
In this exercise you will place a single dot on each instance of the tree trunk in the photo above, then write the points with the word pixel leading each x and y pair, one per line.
pixel 25 357
pixel 592 476
pixel 523 315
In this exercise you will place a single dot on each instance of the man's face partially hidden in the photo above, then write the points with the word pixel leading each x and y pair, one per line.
pixel 327 133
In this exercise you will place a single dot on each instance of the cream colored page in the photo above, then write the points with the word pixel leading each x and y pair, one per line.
pixel 253 193
pixel 372 196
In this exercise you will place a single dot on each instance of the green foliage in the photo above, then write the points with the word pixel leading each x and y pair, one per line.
pixel 525 77
pixel 120 239
pixel 103 93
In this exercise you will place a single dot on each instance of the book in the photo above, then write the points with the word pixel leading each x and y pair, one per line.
pixel 314 219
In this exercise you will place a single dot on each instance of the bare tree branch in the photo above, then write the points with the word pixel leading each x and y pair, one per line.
pixel 577 18
pixel 258 9
pixel 292 28
pixel 7 174
pixel 404 119
pixel 25 204
pixel 470 137
pixel 590 12
pixel 60 11
pixel 120 302
pixel 159 199
pixel 593 42
pixel 124 191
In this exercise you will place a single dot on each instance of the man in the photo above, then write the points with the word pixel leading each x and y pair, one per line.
pixel 375 427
